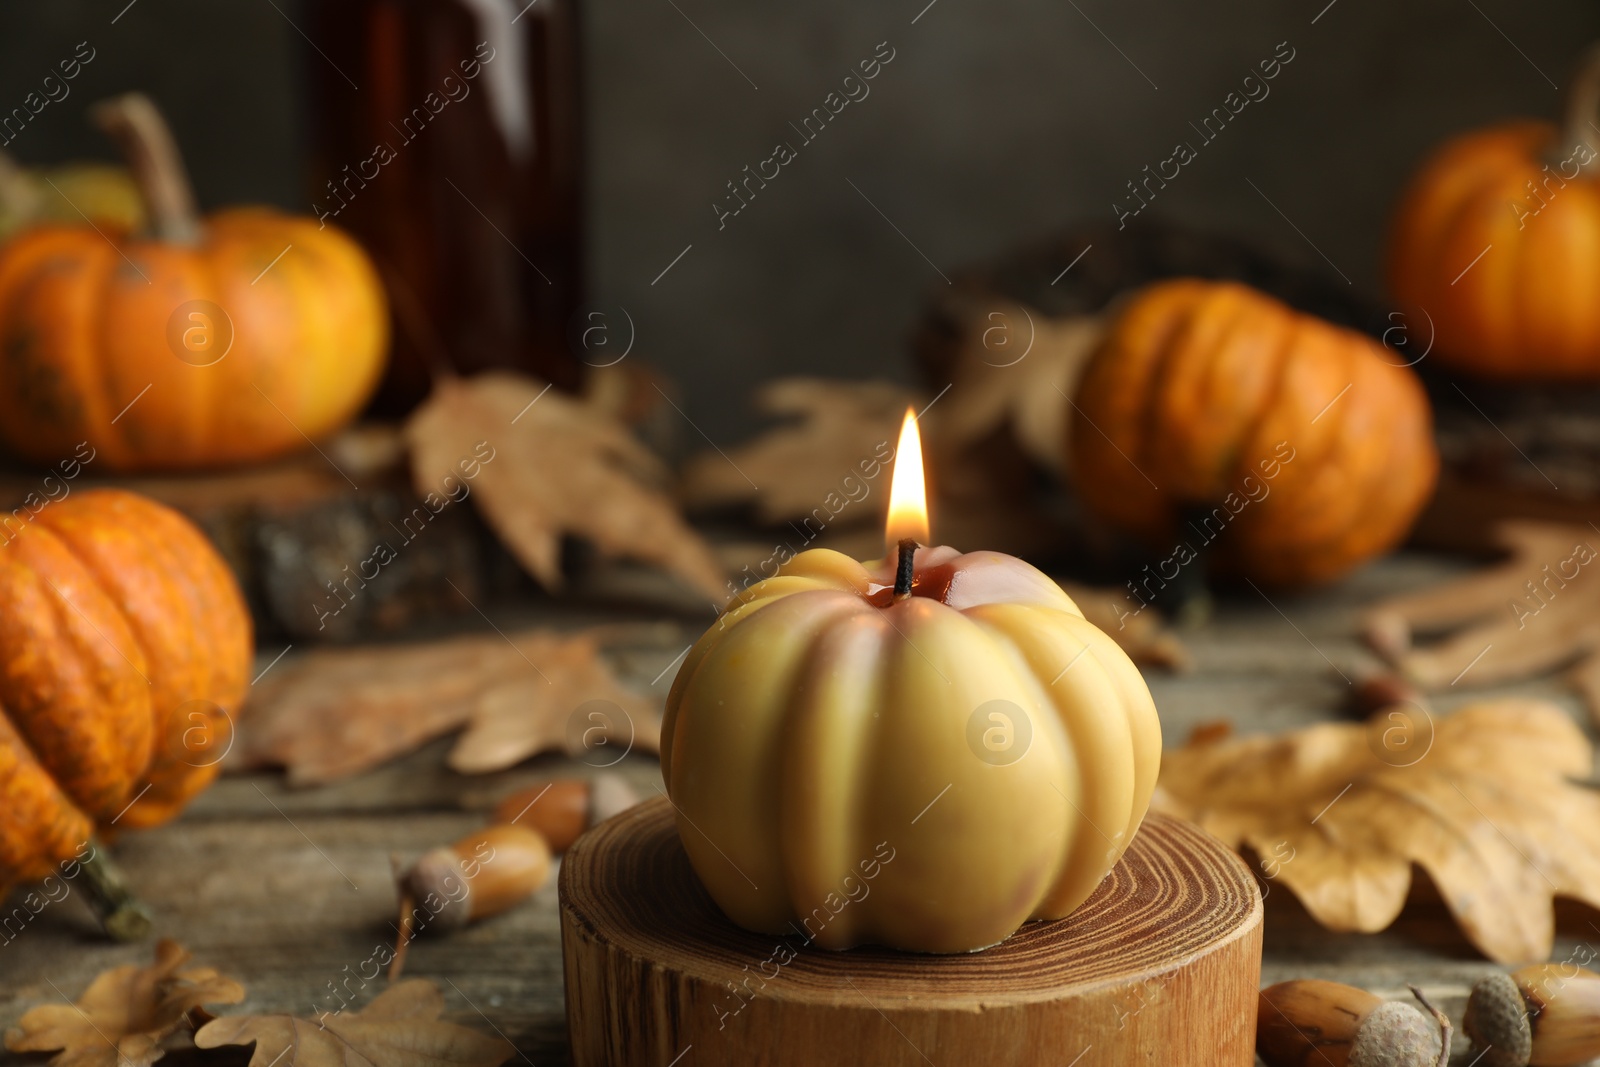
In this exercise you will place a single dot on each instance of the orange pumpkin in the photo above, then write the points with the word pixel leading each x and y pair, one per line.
pixel 124 649
pixel 1497 242
pixel 218 342
pixel 1214 420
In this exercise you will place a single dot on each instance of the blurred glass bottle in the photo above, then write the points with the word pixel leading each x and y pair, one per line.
pixel 447 138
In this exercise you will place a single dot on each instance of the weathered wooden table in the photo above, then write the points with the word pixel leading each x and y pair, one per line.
pixel 290 891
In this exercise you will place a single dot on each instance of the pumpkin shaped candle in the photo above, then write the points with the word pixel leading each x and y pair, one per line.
pixel 923 752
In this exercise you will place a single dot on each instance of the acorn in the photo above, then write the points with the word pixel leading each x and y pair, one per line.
pixel 1311 1023
pixel 1546 1015
pixel 485 873
pixel 563 809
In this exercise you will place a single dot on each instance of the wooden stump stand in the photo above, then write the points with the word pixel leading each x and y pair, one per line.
pixel 1160 965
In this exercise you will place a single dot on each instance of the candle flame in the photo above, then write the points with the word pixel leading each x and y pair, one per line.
pixel 908 493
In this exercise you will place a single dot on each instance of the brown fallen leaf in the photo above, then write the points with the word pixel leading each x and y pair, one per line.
pixel 1537 610
pixel 821 478
pixel 400 1028
pixel 335 712
pixel 1480 799
pixel 833 430
pixel 575 705
pixel 641 398
pixel 559 466
pixel 1016 368
pixel 125 1014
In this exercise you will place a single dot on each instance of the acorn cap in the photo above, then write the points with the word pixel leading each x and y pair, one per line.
pixel 1395 1034
pixel 1497 1021
pixel 437 884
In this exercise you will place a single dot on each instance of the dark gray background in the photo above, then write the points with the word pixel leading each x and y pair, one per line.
pixel 995 123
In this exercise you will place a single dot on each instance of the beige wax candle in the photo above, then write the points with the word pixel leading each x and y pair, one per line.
pixel 923 752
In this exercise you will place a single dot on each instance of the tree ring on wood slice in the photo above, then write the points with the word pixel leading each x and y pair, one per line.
pixel 1160 965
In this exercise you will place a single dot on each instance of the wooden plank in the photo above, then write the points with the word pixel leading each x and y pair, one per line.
pixel 417 783
pixel 253 877
pixel 294 908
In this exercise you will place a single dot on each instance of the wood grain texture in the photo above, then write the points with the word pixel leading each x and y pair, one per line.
pixel 1163 961
pixel 244 878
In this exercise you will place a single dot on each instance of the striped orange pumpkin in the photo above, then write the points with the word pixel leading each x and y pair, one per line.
pixel 1214 418
pixel 218 342
pixel 125 648
pixel 1497 242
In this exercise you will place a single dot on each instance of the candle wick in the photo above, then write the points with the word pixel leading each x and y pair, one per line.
pixel 903 574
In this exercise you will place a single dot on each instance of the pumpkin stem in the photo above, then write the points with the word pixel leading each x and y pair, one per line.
pixel 1193 602
pixel 904 573
pixel 120 913
pixel 134 122
pixel 1582 107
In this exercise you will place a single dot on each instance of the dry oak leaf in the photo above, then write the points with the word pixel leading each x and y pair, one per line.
pixel 1019 367
pixel 1537 610
pixel 825 470
pixel 122 1018
pixel 400 1028
pixel 1479 799
pixel 1144 635
pixel 335 712
pixel 559 466
pixel 832 430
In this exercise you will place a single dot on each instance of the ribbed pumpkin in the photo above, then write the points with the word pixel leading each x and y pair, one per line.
pixel 926 773
pixel 1214 419
pixel 222 342
pixel 124 648
pixel 1497 242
